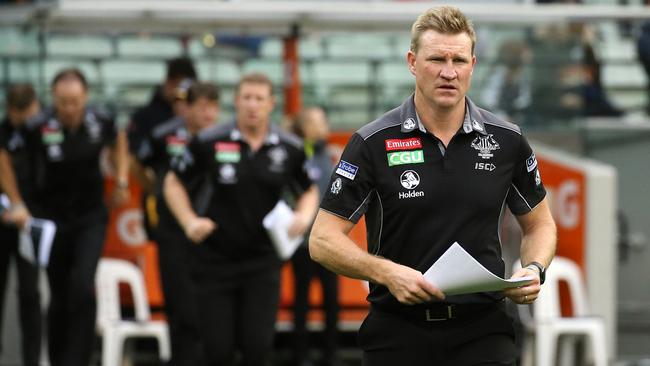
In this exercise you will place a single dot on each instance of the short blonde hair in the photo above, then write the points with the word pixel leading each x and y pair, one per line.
pixel 444 20
pixel 255 78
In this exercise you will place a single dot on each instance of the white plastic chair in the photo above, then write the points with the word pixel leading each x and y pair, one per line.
pixel 547 323
pixel 114 329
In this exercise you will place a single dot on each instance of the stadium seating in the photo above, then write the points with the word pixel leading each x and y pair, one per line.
pixel 158 47
pixel 89 69
pixel 272 48
pixel 222 72
pixel 273 68
pixel 17 42
pixel 24 70
pixel 97 47
pixel 133 72
pixel 363 46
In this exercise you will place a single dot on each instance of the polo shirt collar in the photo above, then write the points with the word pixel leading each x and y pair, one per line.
pixel 408 116
pixel 89 120
pixel 272 137
pixel 473 121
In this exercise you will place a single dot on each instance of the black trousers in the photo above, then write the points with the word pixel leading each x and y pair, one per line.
pixel 181 307
pixel 239 315
pixel 305 269
pixel 482 338
pixel 28 295
pixel 71 272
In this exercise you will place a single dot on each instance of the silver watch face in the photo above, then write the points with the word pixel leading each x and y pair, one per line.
pixel 539 269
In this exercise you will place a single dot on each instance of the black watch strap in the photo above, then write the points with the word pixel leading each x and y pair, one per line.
pixel 542 271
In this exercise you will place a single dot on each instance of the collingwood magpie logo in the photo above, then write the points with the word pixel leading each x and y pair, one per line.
pixel 336 186
pixel 477 126
pixel 485 146
pixel 409 124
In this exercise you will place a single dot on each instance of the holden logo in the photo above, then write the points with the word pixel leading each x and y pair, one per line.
pixel 409 179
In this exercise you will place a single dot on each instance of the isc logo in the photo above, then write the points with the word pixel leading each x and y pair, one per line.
pixel 484 166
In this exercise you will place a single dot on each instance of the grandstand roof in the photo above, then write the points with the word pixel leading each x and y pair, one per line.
pixel 277 16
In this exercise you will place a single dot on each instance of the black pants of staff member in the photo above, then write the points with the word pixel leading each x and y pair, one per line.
pixel 484 337
pixel 304 270
pixel 71 272
pixel 28 296
pixel 181 308
pixel 239 316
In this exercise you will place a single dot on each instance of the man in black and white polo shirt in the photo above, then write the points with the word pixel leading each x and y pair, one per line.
pixel 434 171
pixel 246 166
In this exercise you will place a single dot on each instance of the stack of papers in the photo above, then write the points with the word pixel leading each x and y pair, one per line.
pixel 4 203
pixel 35 241
pixel 456 272
pixel 277 223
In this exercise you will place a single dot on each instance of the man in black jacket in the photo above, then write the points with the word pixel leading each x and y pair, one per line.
pixel 64 147
pixel 160 107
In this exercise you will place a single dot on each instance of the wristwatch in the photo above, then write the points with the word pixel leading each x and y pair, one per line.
pixel 540 268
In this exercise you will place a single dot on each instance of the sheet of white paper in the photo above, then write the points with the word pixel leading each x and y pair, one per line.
pixel 277 224
pixel 4 202
pixel 46 230
pixel 456 272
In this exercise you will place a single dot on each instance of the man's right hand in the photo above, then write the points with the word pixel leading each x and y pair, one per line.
pixel 198 228
pixel 409 286
pixel 17 215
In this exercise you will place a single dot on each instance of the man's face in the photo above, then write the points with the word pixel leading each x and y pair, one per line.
pixel 202 113
pixel 443 68
pixel 18 117
pixel 69 101
pixel 316 128
pixel 254 103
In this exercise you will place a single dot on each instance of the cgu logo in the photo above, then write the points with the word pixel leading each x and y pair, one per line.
pixel 485 166
pixel 405 157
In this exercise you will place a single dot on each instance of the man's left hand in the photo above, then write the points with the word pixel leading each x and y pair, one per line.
pixel 299 225
pixel 17 215
pixel 525 294
pixel 121 196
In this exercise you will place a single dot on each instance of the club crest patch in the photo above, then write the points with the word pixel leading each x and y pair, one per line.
pixel 485 145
